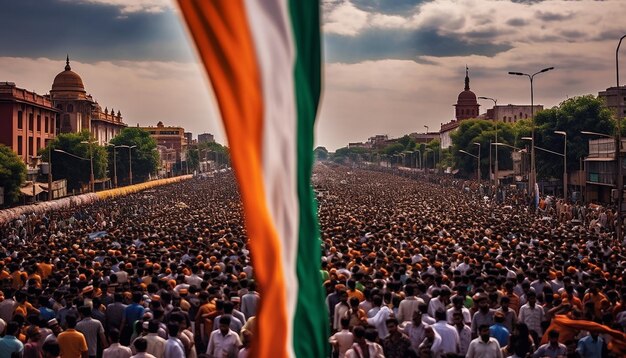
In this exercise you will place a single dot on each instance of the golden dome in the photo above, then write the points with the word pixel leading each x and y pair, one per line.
pixel 68 81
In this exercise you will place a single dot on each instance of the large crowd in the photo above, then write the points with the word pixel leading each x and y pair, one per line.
pixel 412 268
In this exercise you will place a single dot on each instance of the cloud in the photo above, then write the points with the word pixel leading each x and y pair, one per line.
pixel 133 6
pixel 345 19
pixel 91 32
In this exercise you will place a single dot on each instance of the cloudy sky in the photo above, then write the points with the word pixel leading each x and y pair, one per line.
pixel 391 66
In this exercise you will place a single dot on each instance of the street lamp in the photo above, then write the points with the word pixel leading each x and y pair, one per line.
pixel 618 149
pixel 478 168
pixel 91 177
pixel 114 162
pixel 495 103
pixel 475 157
pixel 426 129
pixel 564 134
pixel 130 162
pixel 533 172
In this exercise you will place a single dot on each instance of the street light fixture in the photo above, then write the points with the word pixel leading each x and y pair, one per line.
pixel 114 162
pixel 533 170
pixel 426 129
pixel 564 134
pixel 495 104
pixel 91 177
pixel 473 156
pixel 478 167
pixel 130 162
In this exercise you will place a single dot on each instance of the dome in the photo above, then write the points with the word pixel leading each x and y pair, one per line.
pixel 68 81
pixel 467 97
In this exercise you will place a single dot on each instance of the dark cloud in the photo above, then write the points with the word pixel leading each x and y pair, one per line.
pixel 485 34
pixel 400 44
pixel 573 34
pixel 516 22
pixel 89 32
pixel 552 16
pixel 390 7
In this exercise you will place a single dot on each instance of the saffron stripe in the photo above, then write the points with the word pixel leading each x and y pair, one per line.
pixel 222 36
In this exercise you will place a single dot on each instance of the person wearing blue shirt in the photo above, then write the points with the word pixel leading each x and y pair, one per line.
pixel 9 344
pixel 499 331
pixel 132 313
pixel 591 346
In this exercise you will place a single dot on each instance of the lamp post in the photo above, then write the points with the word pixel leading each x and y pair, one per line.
pixel 533 170
pixel 495 103
pixel 114 162
pixel 478 167
pixel 618 149
pixel 473 156
pixel 564 134
pixel 91 176
pixel 130 162
pixel 426 129
pixel 49 171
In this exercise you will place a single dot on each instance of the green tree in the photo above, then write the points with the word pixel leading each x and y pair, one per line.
pixel 193 158
pixel 583 113
pixel 394 148
pixel 483 132
pixel 321 153
pixel 12 174
pixel 407 142
pixel 68 163
pixel 145 157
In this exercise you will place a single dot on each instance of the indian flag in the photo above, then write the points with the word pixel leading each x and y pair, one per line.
pixel 264 62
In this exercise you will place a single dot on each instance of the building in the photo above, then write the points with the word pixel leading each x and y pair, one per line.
pixel 466 107
pixel 79 111
pixel 600 169
pixel 168 137
pixel 378 141
pixel 614 98
pixel 28 121
pixel 189 138
pixel 206 138
pixel 512 113
pixel 424 137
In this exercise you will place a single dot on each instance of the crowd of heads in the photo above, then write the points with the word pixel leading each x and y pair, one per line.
pixel 173 262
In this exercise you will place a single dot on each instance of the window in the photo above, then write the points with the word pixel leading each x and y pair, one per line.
pixel 47 124
pixel 38 144
pixel 31 148
pixel 38 123
pixel 515 117
pixel 60 107
pixel 31 121
pixel 526 115
pixel 20 145
pixel 520 114
pixel 70 108
pixel 20 120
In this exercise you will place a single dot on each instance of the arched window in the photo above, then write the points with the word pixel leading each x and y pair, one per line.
pixel 515 117
pixel 526 115
pixel 60 107
pixel 70 108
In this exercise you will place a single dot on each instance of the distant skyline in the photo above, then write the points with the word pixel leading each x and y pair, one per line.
pixel 391 67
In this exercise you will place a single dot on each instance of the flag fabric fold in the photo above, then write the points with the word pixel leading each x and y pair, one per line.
pixel 264 62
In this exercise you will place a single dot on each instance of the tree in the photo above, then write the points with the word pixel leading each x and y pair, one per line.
pixel 321 153
pixel 483 132
pixel 584 113
pixel 193 158
pixel 407 142
pixel 12 174
pixel 145 157
pixel 73 164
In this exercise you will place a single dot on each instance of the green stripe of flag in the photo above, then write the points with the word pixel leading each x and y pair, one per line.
pixel 311 318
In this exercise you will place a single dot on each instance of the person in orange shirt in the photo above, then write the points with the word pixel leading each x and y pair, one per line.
pixel 72 342
pixel 595 296
pixel 17 277
pixel 353 292
pixel 207 307
pixel 44 268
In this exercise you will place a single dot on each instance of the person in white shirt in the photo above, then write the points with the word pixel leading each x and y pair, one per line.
pixel 341 310
pixel 408 305
pixel 484 346
pixel 173 346
pixel 415 329
pixel 116 350
pixel 379 321
pixel 457 306
pixel 342 340
pixel 439 302
pixel 532 314
pixel 449 336
pixel 361 345
pixel 223 343
pixel 141 345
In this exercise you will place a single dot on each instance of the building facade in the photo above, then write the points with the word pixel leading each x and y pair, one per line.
pixel 28 121
pixel 78 110
pixel 512 113
pixel 206 138
pixel 169 137
pixel 615 98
